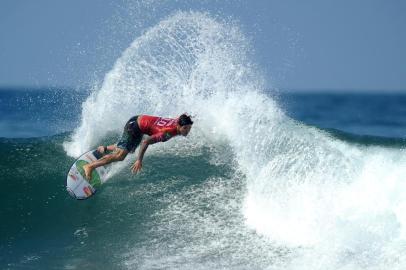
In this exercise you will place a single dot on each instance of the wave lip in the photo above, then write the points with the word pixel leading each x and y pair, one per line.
pixel 182 64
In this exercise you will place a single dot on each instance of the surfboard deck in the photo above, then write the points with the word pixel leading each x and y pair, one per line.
pixel 77 185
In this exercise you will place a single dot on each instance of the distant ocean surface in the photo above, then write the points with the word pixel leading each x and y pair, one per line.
pixel 26 113
pixel 265 180
pixel 46 112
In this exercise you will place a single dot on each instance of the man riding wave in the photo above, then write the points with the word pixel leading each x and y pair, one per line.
pixel 159 130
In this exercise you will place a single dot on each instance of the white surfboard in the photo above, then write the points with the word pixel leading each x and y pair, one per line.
pixel 77 185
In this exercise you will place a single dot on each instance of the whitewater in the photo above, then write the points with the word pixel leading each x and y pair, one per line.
pixel 281 194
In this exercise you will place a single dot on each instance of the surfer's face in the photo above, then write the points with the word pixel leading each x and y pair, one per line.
pixel 184 130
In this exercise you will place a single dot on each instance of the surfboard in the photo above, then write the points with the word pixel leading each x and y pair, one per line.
pixel 77 185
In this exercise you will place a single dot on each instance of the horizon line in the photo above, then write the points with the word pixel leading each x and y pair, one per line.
pixel 278 89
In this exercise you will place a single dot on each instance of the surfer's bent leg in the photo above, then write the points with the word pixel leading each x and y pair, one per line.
pixel 118 155
pixel 128 142
pixel 106 149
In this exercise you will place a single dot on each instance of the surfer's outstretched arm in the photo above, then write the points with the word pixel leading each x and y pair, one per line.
pixel 136 167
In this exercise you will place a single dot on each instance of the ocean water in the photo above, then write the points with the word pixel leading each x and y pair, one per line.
pixel 267 179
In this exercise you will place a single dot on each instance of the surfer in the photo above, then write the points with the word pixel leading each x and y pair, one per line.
pixel 159 130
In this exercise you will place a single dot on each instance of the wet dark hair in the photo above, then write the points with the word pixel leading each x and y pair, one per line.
pixel 184 120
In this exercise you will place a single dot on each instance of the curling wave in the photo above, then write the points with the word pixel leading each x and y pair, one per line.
pixel 313 201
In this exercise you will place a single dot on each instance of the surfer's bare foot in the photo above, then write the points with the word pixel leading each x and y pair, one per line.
pixel 88 171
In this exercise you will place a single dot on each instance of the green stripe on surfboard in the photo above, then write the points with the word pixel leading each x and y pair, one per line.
pixel 95 180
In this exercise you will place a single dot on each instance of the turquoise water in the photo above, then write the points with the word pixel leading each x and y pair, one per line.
pixel 264 181
pixel 42 227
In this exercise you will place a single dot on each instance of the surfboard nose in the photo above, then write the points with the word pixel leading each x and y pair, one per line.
pixel 71 193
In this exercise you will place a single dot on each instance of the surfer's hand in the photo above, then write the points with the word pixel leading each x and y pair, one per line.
pixel 136 167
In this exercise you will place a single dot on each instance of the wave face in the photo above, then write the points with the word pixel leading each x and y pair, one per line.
pixel 280 195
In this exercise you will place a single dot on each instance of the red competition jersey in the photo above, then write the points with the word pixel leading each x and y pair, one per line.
pixel 160 129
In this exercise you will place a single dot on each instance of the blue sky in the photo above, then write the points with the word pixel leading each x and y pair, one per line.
pixel 319 44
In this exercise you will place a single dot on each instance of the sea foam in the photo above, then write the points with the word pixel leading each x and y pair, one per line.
pixel 332 204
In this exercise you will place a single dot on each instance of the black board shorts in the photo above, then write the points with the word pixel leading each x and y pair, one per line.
pixel 131 136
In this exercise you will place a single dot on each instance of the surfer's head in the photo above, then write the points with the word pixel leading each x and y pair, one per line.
pixel 184 124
